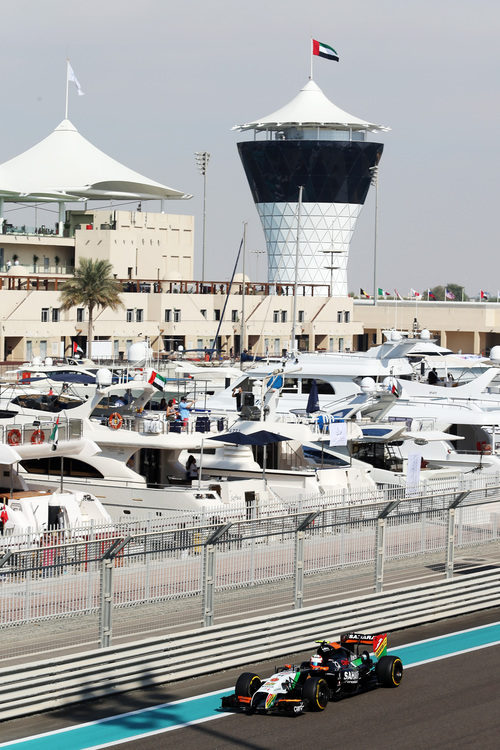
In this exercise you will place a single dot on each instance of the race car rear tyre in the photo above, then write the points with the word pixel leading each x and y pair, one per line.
pixel 247 684
pixel 316 692
pixel 390 671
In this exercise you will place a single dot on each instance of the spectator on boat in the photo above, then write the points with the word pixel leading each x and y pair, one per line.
pixel 171 411
pixel 163 405
pixel 185 407
pixel 237 391
pixel 191 468
pixel 4 517
pixel 432 377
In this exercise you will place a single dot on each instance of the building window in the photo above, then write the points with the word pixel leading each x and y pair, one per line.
pixel 29 350
pixel 45 315
pixel 276 316
pixel 204 313
pixel 139 315
pixel 330 345
pixel 216 314
pixel 168 316
pixel 130 316
pixel 43 349
pixel 55 315
pixel 341 345
pixel 234 316
pixel 302 316
pixel 339 316
pixel 347 316
pixel 199 344
pixel 80 314
pixel 177 316
pixel 276 346
pixel 266 346
pixel 283 316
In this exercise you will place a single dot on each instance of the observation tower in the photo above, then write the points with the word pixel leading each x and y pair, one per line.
pixel 312 143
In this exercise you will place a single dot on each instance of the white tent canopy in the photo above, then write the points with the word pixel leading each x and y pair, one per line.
pixel 67 167
pixel 310 108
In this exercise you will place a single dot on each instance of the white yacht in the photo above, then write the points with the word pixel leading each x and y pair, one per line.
pixel 30 512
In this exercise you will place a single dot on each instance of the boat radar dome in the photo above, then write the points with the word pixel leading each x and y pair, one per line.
pixel 138 353
pixel 396 336
pixel 367 385
pixel 425 334
pixel 495 354
pixel 104 377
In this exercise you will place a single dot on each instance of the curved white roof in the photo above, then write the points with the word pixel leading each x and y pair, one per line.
pixel 65 166
pixel 310 107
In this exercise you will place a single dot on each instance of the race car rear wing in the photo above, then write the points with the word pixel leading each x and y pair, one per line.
pixel 377 642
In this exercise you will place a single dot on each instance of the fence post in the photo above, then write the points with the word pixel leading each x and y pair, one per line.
pixel 208 578
pixel 298 595
pixel 450 543
pixel 106 593
pixel 379 554
pixel 380 544
pixel 450 540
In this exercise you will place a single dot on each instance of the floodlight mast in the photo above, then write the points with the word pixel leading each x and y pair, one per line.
pixel 202 158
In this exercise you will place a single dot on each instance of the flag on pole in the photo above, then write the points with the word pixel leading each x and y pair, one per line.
pixel 398 296
pixel 158 381
pixel 324 50
pixel 74 79
pixel 383 293
pixel 415 294
pixel 54 435
pixel 449 295
pixel 4 516
pixel 395 388
pixel 364 294
pixel 430 295
pixel 484 295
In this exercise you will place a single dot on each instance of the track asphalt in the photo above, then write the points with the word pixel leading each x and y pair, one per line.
pixel 146 727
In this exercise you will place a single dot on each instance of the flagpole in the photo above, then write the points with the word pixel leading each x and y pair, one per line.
pixel 67 87
pixel 311 53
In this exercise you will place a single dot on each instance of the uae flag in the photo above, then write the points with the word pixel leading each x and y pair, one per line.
pixel 158 381
pixel 484 295
pixel 324 50
pixel 54 435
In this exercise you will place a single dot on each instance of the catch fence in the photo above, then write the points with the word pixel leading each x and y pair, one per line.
pixel 131 580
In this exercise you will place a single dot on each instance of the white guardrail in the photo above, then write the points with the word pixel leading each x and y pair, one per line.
pixel 45 685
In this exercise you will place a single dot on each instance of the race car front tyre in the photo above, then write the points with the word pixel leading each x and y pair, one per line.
pixel 316 693
pixel 390 671
pixel 247 684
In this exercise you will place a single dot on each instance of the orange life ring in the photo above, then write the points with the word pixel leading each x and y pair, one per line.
pixel 14 437
pixel 115 420
pixel 38 437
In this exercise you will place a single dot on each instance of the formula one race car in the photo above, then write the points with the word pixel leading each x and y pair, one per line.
pixel 335 670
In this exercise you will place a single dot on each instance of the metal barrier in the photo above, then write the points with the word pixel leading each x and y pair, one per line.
pixel 180 572
pixel 56 682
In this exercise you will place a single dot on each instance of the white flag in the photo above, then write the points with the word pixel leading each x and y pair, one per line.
pixel 72 77
pixel 338 433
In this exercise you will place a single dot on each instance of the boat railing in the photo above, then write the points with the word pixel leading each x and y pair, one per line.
pixel 156 424
pixel 40 431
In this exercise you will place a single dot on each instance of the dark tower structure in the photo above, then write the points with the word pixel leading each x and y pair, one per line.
pixel 313 143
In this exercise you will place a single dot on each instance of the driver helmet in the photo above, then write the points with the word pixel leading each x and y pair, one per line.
pixel 315 661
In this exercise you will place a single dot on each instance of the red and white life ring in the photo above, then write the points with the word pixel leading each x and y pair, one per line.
pixel 38 437
pixel 115 420
pixel 14 437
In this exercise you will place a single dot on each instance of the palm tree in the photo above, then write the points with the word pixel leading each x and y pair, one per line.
pixel 92 286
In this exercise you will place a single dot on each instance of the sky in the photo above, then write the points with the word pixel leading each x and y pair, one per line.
pixel 164 79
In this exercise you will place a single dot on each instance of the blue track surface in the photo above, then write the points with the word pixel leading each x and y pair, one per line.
pixel 203 708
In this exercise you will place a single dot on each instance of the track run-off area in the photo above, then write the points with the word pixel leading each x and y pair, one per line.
pixel 450 699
